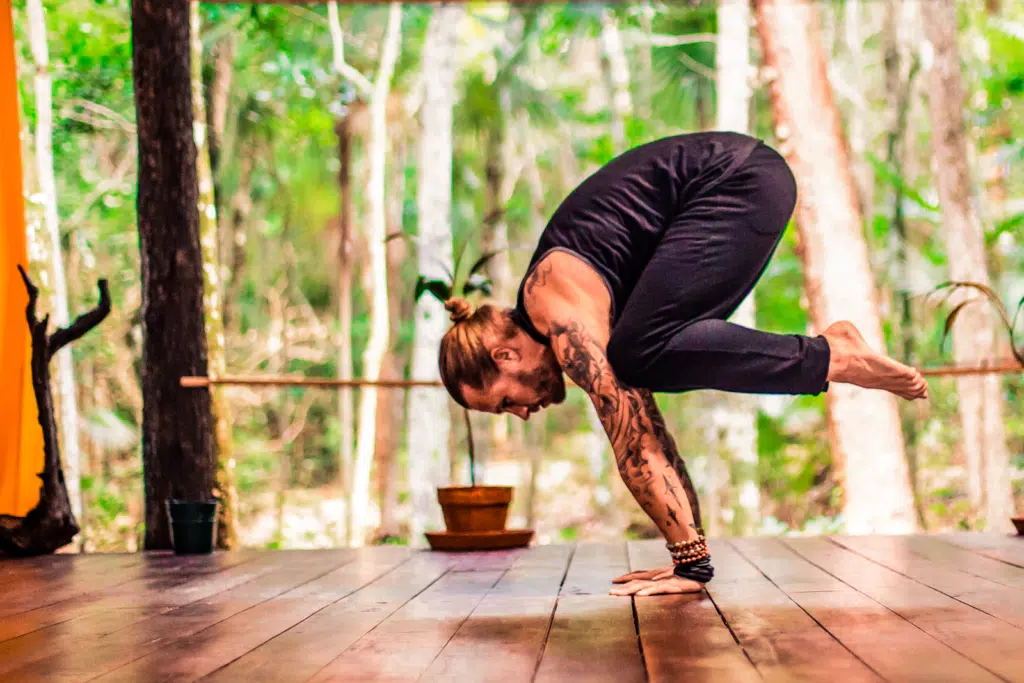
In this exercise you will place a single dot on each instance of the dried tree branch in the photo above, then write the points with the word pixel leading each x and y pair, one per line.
pixel 83 323
pixel 51 523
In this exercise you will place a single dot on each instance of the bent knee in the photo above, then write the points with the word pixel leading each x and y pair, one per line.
pixel 626 359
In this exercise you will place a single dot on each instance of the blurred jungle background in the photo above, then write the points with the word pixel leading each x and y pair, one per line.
pixel 299 108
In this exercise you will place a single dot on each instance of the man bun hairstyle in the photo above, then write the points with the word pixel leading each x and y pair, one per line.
pixel 459 308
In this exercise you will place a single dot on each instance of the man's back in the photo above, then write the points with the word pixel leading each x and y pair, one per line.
pixel 615 218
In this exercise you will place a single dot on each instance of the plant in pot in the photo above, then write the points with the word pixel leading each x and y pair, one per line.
pixel 1009 324
pixel 474 515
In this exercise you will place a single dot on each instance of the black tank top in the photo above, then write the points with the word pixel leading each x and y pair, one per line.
pixel 614 219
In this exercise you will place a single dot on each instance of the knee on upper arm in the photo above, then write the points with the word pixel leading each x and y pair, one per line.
pixel 625 358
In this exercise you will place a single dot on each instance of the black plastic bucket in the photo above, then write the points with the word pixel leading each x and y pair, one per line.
pixel 193 526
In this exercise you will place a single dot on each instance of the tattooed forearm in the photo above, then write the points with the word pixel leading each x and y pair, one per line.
pixel 668 447
pixel 644 450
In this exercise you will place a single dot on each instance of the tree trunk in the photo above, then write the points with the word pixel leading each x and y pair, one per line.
pixel 429 419
pixel 900 68
pixel 858 121
pixel 177 453
pixel 864 427
pixel 346 415
pixel 51 523
pixel 218 99
pixel 500 183
pixel 220 411
pixel 234 239
pixel 645 86
pixel 974 334
pixel 734 423
pixel 376 246
pixel 390 402
pixel 58 288
pixel 616 70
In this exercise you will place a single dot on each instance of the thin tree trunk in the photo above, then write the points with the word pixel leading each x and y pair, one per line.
pixel 735 433
pixel 346 414
pixel 389 403
pixel 858 123
pixel 217 101
pixel 344 290
pixel 227 535
pixel 219 98
pixel 234 239
pixel 616 70
pixel 500 181
pixel 429 454
pixel 376 246
pixel 900 69
pixel 864 427
pixel 645 87
pixel 58 288
pixel 974 334
pixel 177 452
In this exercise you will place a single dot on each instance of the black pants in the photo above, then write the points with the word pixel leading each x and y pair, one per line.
pixel 672 335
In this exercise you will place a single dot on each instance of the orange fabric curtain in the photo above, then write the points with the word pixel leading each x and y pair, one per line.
pixel 21 438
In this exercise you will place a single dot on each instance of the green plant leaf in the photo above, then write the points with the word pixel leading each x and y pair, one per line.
pixel 950 319
pixel 439 288
pixel 482 261
pixel 1017 353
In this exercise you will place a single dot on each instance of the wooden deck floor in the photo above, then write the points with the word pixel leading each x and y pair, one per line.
pixel 845 609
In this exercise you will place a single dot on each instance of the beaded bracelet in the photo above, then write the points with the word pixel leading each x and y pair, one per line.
pixel 688 551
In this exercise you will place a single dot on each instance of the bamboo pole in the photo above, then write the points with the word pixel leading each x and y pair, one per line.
pixel 998 367
pixel 191 382
pixel 277 380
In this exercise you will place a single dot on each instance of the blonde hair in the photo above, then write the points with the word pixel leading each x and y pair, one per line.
pixel 464 358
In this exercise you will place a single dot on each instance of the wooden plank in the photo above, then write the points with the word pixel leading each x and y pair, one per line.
pixel 683 636
pixel 127 645
pixel 781 639
pixel 156 594
pixel 985 640
pixel 1002 547
pixel 593 634
pixel 71 577
pixel 304 649
pixel 503 638
pixel 78 624
pixel 885 641
pixel 403 646
pixel 481 561
pixel 897 553
pixel 594 565
pixel 15 568
pixel 961 559
pixel 197 655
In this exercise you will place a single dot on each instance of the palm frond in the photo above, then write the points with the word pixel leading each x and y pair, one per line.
pixel 439 288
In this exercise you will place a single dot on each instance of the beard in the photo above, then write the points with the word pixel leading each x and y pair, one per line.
pixel 546 380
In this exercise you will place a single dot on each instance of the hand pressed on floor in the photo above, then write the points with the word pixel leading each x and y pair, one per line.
pixel 654 582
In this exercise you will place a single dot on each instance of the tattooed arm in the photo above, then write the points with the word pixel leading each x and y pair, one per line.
pixel 644 450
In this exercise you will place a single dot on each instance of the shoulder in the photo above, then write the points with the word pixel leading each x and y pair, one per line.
pixel 564 287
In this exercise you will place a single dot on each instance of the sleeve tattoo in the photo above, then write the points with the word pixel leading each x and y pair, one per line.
pixel 635 427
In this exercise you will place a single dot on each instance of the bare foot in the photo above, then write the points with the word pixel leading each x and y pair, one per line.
pixel 854 362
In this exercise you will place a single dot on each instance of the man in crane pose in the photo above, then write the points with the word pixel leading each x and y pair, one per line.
pixel 628 293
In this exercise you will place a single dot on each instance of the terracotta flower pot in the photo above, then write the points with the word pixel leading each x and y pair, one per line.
pixel 474 508
pixel 1019 523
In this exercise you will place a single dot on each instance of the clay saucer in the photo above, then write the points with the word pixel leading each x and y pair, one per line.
pixel 479 540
